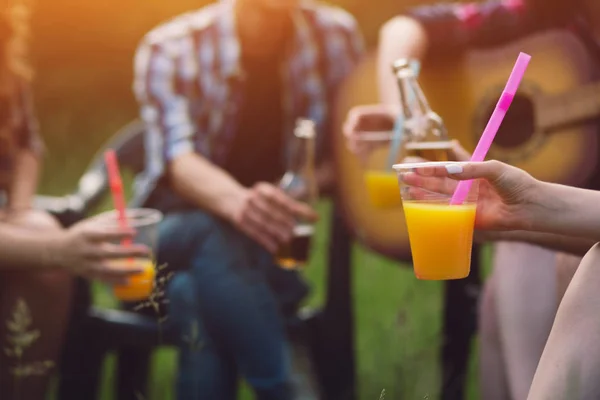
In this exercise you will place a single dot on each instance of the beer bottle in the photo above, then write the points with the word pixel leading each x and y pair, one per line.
pixel 424 133
pixel 300 182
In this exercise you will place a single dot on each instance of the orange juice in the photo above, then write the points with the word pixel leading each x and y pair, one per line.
pixel 441 237
pixel 140 286
pixel 383 190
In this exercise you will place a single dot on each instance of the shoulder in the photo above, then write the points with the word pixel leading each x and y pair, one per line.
pixel 182 27
pixel 328 17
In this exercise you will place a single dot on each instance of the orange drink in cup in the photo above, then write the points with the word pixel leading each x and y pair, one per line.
pixel 380 179
pixel 440 233
pixel 145 223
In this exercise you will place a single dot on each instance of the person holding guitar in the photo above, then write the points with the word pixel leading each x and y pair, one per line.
pixel 520 299
pixel 511 202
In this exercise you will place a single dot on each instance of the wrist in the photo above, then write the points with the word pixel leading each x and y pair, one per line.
pixel 53 251
pixel 545 207
pixel 229 207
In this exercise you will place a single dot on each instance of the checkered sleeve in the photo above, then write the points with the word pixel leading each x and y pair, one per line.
pixel 163 107
pixel 454 27
pixel 344 47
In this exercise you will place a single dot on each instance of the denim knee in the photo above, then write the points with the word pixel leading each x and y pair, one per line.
pixel 183 309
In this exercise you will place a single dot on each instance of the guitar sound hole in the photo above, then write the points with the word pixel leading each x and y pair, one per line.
pixel 518 125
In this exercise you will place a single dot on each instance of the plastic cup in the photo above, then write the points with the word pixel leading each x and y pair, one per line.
pixel 380 179
pixel 440 233
pixel 145 222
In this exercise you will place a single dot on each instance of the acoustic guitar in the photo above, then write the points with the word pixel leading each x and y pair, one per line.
pixel 546 132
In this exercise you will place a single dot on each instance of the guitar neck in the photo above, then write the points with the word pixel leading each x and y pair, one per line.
pixel 576 106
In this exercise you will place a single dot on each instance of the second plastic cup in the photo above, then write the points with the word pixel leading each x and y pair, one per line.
pixel 145 222
pixel 380 179
pixel 440 234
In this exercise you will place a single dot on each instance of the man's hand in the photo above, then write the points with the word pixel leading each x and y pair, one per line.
pixel 268 215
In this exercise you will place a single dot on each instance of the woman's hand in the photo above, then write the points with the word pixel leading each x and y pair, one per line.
pixel 87 249
pixel 507 195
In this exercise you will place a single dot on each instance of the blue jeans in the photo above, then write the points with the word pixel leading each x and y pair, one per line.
pixel 223 307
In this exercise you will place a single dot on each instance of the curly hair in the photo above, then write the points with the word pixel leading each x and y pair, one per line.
pixel 15 34
pixel 15 69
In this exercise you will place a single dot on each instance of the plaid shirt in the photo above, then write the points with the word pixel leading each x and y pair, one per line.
pixel 189 81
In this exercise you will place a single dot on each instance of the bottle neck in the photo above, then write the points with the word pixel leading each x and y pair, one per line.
pixel 299 180
pixel 412 97
pixel 420 122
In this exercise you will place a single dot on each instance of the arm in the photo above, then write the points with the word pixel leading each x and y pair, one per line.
pixel 189 174
pixel 455 27
pixel 165 110
pixel 566 210
pixel 27 161
pixel 262 212
pixel 567 244
pixel 20 248
pixel 447 29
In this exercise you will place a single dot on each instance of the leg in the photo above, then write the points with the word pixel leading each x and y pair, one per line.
pixel 566 266
pixel 236 308
pixel 570 363
pixel 47 296
pixel 492 369
pixel 526 305
pixel 201 360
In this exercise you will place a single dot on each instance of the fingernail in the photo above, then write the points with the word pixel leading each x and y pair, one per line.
pixel 454 168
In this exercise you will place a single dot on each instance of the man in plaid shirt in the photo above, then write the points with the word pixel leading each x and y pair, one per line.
pixel 220 90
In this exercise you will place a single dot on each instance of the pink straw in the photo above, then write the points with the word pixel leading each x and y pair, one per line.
pixel 487 137
pixel 116 188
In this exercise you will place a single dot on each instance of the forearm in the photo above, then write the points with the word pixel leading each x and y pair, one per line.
pixel 206 185
pixel 566 210
pixel 25 181
pixel 401 37
pixel 21 248
pixel 566 244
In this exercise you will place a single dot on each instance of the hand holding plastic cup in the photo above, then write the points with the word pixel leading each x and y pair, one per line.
pixel 145 223
pixel 439 212
pixel 440 233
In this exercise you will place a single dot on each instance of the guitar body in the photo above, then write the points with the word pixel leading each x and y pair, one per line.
pixel 464 91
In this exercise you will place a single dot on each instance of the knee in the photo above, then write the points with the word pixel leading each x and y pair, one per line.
pixel 182 294
pixel 223 242
pixel 195 229
pixel 594 253
pixel 566 266
pixel 184 311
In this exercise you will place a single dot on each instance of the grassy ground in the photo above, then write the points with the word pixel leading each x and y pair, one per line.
pixel 398 318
